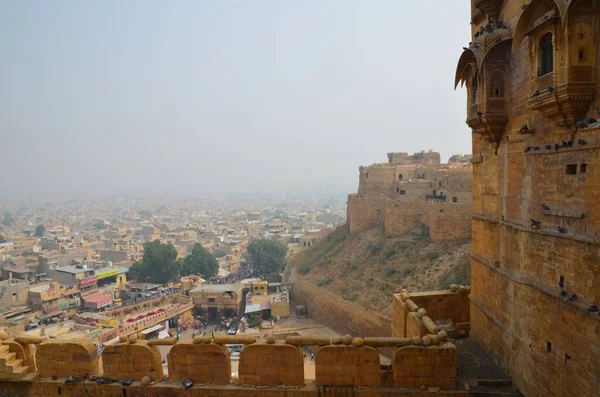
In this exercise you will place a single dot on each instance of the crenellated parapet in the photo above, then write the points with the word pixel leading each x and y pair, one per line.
pixel 67 357
pixel 133 359
pixel 65 367
pixel 201 361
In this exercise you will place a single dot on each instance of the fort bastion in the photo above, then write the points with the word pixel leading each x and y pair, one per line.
pixel 413 189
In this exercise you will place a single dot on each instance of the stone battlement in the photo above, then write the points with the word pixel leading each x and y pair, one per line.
pixel 399 195
pixel 424 360
pixel 446 221
pixel 339 362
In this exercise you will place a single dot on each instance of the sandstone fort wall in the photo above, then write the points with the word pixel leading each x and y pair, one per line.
pixel 446 221
pixel 536 198
pixel 413 189
pixel 337 313
pixel 266 368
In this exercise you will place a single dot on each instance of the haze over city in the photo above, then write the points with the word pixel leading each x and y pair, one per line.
pixel 300 199
pixel 222 97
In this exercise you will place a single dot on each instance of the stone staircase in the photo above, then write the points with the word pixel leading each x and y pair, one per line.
pixel 12 367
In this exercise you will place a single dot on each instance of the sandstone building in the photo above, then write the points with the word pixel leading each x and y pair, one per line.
pixel 413 189
pixel 531 72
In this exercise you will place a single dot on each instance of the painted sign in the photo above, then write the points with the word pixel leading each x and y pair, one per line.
pixel 88 281
pixel 107 273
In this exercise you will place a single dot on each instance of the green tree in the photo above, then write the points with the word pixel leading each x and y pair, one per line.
pixel 253 320
pixel 134 271
pixel 40 230
pixel 158 265
pixel 99 225
pixel 9 220
pixel 199 261
pixel 267 256
pixel 2 239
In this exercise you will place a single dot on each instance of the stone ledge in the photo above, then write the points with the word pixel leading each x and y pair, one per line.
pixel 544 151
pixel 569 236
pixel 545 232
pixel 526 132
pixel 566 214
pixel 525 280
pixel 484 217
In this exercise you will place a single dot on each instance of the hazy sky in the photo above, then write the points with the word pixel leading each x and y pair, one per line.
pixel 223 96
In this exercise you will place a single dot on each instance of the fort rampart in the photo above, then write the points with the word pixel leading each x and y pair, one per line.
pixel 337 313
pixel 413 190
pixel 266 368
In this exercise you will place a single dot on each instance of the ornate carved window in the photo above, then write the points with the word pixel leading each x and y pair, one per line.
pixel 467 73
pixel 483 68
pixel 474 86
pixel 496 84
pixel 562 51
pixel 546 56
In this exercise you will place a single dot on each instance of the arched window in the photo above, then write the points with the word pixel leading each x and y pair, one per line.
pixel 400 177
pixel 546 54
pixel 474 89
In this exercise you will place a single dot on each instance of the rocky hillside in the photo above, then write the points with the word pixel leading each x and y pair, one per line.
pixel 368 267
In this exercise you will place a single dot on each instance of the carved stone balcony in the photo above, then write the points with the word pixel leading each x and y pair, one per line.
pixel 491 125
pixel 565 104
pixel 491 8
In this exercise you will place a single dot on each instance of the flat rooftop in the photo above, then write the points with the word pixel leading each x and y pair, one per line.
pixel 39 288
pixel 71 269
pixel 17 269
pixel 216 288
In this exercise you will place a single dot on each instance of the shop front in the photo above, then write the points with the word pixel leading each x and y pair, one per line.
pixel 97 302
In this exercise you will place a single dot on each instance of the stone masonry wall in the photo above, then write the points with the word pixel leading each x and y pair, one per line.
pixel 337 313
pixel 132 361
pixel 267 368
pixel 420 367
pixel 449 308
pixel 57 357
pixel 271 365
pixel 202 363
pixel 536 206
pixel 446 221
pixel 348 366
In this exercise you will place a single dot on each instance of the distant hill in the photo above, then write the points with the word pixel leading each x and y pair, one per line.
pixel 368 267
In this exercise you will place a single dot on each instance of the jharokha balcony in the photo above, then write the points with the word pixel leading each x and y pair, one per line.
pixel 564 104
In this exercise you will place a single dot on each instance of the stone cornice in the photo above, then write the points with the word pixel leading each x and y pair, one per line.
pixel 527 228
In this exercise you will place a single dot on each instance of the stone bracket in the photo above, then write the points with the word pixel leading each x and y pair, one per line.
pixel 526 132
pixel 566 214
